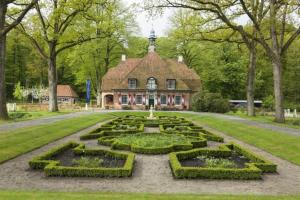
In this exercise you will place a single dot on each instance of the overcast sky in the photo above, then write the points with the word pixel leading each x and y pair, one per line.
pixel 159 23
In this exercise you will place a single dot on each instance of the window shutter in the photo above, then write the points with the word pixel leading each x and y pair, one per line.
pixel 144 99
pixel 173 100
pixel 120 99
pixel 129 99
pixel 158 99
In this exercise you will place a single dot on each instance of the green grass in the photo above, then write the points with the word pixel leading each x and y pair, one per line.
pixel 279 144
pixel 153 140
pixel 289 122
pixel 14 143
pixel 23 115
pixel 34 195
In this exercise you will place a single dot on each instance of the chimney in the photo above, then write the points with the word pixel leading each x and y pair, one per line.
pixel 123 57
pixel 180 59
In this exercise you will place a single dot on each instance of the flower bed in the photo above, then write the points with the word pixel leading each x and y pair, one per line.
pixel 111 163
pixel 192 130
pixel 187 164
pixel 115 130
pixel 153 143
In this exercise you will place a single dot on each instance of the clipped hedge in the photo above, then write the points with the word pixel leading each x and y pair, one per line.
pixel 251 170
pixel 53 168
pixel 196 142
pixel 260 162
pixel 96 135
pixel 40 162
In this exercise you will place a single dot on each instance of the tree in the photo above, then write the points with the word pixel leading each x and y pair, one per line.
pixel 114 25
pixel 18 91
pixel 54 30
pixel 277 13
pixel 7 22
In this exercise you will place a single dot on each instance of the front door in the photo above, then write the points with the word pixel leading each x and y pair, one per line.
pixel 151 100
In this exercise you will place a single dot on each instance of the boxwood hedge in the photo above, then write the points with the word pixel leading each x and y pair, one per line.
pixel 112 141
pixel 107 132
pixel 252 170
pixel 53 167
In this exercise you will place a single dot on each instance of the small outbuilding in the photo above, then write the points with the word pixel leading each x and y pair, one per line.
pixel 65 95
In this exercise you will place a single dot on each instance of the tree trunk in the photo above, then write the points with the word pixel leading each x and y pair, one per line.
pixel 277 73
pixel 52 79
pixel 251 80
pixel 3 109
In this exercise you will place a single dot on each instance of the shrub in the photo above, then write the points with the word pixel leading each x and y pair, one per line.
pixel 210 102
pixel 268 103
pixel 251 170
pixel 53 168
pixel 126 108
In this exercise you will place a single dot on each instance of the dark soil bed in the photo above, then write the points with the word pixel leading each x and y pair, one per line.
pixel 238 159
pixel 67 157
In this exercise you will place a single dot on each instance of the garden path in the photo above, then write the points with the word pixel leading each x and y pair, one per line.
pixel 47 120
pixel 151 175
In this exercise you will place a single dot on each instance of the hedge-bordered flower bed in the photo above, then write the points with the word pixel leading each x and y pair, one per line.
pixel 95 135
pixel 196 142
pixel 53 167
pixel 252 170
pixel 190 131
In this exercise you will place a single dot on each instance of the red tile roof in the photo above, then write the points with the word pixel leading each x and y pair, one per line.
pixel 152 65
pixel 66 91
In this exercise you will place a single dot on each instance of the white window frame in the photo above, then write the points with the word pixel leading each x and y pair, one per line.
pixel 179 101
pixel 166 100
pixel 137 103
pixel 129 84
pixel 123 95
pixel 171 88
pixel 151 83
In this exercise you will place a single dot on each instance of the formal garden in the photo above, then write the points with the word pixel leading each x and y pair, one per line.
pixel 193 151
pixel 125 152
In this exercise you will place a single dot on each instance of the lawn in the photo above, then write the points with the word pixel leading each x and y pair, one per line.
pixel 14 143
pixel 32 195
pixel 153 140
pixel 289 122
pixel 24 115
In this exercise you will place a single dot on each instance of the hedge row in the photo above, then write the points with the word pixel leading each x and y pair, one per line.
pixel 96 135
pixel 40 162
pixel 53 168
pixel 191 131
pixel 251 170
pixel 258 161
pixel 196 142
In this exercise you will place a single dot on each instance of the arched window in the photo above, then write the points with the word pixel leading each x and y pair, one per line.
pixel 151 84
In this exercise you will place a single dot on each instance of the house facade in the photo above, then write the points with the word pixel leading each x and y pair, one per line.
pixel 138 83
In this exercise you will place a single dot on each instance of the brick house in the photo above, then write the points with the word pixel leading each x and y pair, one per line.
pixel 65 95
pixel 139 83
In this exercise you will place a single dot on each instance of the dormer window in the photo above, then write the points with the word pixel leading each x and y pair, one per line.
pixel 171 84
pixel 132 83
pixel 151 84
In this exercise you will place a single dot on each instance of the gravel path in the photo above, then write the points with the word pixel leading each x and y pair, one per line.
pixel 16 125
pixel 152 174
